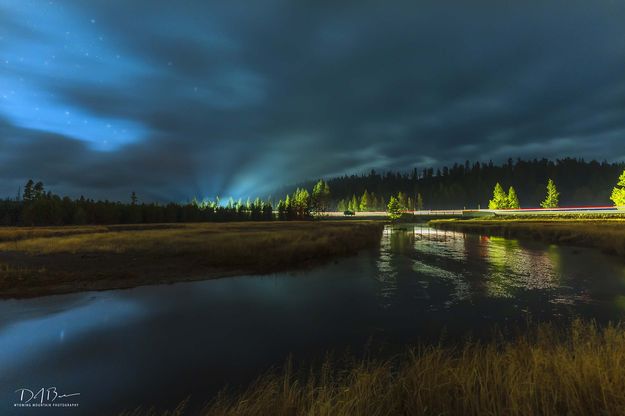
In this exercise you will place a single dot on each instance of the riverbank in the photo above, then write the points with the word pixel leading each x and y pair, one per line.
pixel 607 235
pixel 547 371
pixel 51 260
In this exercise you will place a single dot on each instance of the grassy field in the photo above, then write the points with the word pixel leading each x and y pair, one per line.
pixel 548 371
pixel 36 261
pixel 605 234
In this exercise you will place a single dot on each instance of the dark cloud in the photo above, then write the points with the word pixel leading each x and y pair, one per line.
pixel 207 98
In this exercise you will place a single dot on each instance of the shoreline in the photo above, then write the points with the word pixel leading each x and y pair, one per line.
pixel 603 234
pixel 41 262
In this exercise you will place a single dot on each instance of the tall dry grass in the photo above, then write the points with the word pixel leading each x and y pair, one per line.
pixel 577 371
pixel 12 234
pixel 223 244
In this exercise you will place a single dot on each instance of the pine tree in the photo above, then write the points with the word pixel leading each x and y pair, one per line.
pixel 419 202
pixel 38 191
pixel 353 204
pixel 365 203
pixel 553 197
pixel 500 199
pixel 618 193
pixel 282 211
pixel 394 208
pixel 402 199
pixel 267 211
pixel 375 203
pixel 28 191
pixel 288 208
pixel 255 209
pixel 301 203
pixel 320 199
pixel 513 199
pixel 381 204
pixel 341 206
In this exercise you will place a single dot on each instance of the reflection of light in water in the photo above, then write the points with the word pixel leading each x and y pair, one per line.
pixel 513 267
pixel 418 256
pixel 387 274
pixel 431 270
pixel 397 262
pixel 447 244
pixel 32 338
pixel 443 243
pixel 461 288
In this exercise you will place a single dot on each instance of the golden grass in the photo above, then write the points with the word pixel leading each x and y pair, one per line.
pixel 8 234
pixel 578 371
pixel 605 234
pixel 215 240
pixel 162 253
pixel 12 234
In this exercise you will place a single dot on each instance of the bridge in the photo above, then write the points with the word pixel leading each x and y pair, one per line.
pixel 476 213
pixel 609 210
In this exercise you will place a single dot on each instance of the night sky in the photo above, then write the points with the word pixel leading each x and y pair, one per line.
pixel 199 98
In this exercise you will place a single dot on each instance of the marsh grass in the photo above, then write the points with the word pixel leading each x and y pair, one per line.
pixel 222 243
pixel 607 235
pixel 79 258
pixel 547 371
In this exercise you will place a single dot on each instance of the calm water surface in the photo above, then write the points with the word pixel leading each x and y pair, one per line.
pixel 158 344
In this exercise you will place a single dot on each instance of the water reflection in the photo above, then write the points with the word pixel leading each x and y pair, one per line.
pixel 513 267
pixel 419 259
pixel 28 340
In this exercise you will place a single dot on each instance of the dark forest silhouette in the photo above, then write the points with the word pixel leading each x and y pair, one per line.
pixel 38 207
pixel 468 185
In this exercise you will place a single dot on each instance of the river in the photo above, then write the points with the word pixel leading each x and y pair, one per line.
pixel 155 345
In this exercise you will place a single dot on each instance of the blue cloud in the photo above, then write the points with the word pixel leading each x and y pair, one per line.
pixel 211 98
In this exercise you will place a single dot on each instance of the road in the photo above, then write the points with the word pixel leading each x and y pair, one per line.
pixel 489 212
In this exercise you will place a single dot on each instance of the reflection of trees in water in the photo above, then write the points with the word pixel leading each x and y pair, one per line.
pixel 418 267
pixel 512 267
pixel 401 240
pixel 414 257
pixel 420 259
pixel 439 255
pixel 390 244
pixel 449 244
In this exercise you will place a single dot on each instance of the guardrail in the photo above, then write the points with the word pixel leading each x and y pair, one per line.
pixel 437 212
pixel 523 211
pixel 489 212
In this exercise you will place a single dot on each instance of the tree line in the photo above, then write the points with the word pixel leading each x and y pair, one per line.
pixel 501 200
pixel 461 186
pixel 470 184
pixel 397 205
pixel 510 200
pixel 36 206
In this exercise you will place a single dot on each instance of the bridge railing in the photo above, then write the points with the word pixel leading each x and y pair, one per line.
pixel 437 212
